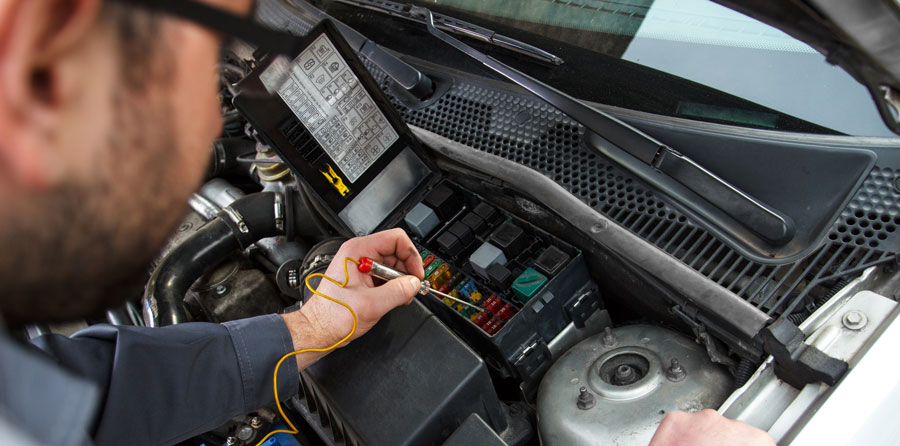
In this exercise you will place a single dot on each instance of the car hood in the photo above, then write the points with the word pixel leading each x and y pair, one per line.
pixel 861 36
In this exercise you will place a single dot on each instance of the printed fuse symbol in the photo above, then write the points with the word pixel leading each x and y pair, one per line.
pixel 335 180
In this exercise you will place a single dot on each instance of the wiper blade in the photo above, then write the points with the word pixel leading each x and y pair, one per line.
pixel 457 26
pixel 752 213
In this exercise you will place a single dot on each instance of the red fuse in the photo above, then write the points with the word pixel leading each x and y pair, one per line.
pixel 505 312
pixel 492 303
pixel 427 260
pixel 481 318
pixel 492 326
pixel 445 289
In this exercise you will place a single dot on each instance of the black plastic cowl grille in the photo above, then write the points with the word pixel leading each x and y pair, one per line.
pixel 526 130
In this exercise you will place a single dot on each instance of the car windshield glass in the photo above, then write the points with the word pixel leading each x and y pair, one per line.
pixel 616 52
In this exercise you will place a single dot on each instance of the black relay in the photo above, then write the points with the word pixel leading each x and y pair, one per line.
pixel 473 221
pixel 443 201
pixel 462 232
pixel 450 243
pixel 551 261
pixel 487 213
pixel 500 275
pixel 510 238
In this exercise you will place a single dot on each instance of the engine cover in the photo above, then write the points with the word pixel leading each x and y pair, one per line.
pixel 615 387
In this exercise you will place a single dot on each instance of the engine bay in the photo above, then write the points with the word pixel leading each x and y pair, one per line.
pixel 482 365
pixel 575 329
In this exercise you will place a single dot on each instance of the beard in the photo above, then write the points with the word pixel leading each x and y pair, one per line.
pixel 79 248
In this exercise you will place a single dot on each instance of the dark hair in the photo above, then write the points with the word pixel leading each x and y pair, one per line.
pixel 141 43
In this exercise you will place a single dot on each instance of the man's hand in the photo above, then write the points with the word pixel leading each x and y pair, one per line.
pixel 321 323
pixel 707 427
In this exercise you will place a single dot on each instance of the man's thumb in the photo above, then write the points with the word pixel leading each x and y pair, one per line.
pixel 400 291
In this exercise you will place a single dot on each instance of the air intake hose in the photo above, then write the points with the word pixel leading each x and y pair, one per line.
pixel 246 221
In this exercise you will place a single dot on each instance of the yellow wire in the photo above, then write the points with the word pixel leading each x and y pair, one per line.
pixel 294 430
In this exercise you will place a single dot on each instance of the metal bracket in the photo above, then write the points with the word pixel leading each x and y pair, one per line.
pixel 687 314
pixel 532 358
pixel 582 306
pixel 796 362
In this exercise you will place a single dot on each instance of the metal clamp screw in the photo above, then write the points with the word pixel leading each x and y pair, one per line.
pixel 279 212
pixel 237 218
pixel 293 278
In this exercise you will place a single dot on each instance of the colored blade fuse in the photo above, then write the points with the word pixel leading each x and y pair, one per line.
pixel 505 312
pixel 492 303
pixel 492 326
pixel 433 266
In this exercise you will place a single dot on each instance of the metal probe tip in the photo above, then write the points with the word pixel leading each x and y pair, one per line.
pixel 456 300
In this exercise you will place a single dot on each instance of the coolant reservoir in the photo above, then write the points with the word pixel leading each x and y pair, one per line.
pixel 615 388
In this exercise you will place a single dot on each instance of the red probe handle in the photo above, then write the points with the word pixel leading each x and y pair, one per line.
pixel 365 265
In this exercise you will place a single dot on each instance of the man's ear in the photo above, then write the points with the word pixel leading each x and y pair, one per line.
pixel 34 34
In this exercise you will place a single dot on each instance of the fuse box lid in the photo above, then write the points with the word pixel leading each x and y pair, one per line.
pixel 329 121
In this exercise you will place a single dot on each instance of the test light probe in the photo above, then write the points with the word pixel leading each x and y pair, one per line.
pixel 375 269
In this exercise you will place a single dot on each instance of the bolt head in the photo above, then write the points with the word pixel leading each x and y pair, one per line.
pixel 675 372
pixel 245 433
pixel 609 338
pixel 221 289
pixel 586 399
pixel 854 320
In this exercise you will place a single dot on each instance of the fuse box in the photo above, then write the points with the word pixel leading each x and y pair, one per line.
pixel 523 278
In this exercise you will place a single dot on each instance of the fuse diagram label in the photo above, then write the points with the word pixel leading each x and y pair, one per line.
pixel 328 98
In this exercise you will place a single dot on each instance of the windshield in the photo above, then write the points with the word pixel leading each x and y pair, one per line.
pixel 686 58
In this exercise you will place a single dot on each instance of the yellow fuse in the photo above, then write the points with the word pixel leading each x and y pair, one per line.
pixel 448 301
pixel 439 277
pixel 454 293
pixel 474 315
pixel 475 297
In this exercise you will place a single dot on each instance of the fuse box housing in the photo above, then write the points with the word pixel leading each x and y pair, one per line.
pixel 525 304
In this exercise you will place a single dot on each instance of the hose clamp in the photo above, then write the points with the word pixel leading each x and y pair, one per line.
pixel 279 212
pixel 237 218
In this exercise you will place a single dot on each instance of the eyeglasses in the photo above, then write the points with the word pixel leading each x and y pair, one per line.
pixel 215 19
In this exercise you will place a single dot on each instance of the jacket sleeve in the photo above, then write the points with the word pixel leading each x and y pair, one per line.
pixel 163 385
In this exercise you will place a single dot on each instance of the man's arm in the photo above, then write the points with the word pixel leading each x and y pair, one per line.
pixel 707 428
pixel 163 385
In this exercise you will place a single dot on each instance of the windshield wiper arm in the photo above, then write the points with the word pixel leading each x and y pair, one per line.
pixel 457 26
pixel 752 213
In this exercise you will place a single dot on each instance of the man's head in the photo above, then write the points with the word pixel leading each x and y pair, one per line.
pixel 106 118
